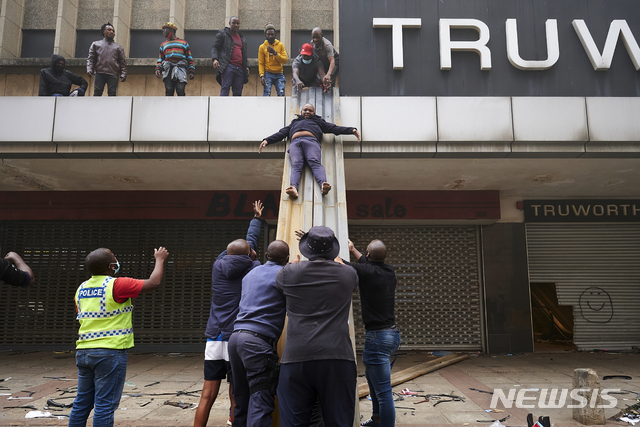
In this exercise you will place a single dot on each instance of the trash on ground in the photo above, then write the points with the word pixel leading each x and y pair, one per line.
pixel 481 391
pixel 51 402
pixel 179 404
pixel 149 385
pixel 611 377
pixel 129 383
pixel 630 414
pixel 40 414
pixel 417 370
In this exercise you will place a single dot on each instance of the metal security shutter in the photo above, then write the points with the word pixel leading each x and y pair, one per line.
pixel 596 269
pixel 438 293
pixel 171 318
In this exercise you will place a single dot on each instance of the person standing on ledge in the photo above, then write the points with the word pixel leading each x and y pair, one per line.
pixel 106 62
pixel 305 133
pixel 229 56
pixel 175 62
pixel 271 56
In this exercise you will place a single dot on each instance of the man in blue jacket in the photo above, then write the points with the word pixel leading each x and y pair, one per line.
pixel 305 133
pixel 252 346
pixel 228 271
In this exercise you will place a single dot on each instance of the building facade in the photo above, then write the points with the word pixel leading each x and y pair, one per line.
pixel 498 161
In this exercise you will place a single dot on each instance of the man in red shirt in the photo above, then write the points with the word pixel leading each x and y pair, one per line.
pixel 104 308
pixel 229 56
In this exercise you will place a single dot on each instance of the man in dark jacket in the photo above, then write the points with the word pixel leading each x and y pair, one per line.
pixel 15 272
pixel 229 56
pixel 228 271
pixel 56 81
pixel 305 133
pixel 318 362
pixel 106 62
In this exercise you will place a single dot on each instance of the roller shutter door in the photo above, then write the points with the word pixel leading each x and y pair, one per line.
pixel 172 318
pixel 596 269
pixel 438 292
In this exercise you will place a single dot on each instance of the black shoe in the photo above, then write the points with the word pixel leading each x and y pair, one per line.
pixel 369 423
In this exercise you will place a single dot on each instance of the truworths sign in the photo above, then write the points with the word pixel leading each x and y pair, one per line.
pixel 490 47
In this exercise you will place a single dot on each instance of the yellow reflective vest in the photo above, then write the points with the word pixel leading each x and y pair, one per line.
pixel 104 323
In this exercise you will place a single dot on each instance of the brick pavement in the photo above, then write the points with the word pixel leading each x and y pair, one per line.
pixel 177 372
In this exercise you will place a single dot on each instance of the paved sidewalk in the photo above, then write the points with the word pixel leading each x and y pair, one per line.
pixel 183 372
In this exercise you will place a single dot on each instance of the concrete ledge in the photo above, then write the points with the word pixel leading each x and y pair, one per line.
pixel 27 119
pixel 549 119
pixel 613 119
pixel 399 119
pixel 169 119
pixel 237 118
pixel 351 114
pixel 473 150
pixel 545 149
pixel 232 127
pixel 92 119
pixel 474 119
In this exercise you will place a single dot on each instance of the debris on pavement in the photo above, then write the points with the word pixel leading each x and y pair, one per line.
pixel 622 377
pixel 481 391
pixel 40 414
pixel 20 407
pixel 179 404
pixel 149 385
pixel 630 414
pixel 417 370
pixel 51 402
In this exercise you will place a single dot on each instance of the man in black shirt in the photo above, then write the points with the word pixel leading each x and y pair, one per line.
pixel 14 271
pixel 56 81
pixel 377 295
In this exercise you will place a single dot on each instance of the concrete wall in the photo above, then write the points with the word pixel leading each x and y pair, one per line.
pixel 255 14
pixel 205 14
pixel 149 14
pixel 307 14
pixel 92 14
pixel 40 14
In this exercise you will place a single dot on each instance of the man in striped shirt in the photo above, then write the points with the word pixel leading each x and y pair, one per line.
pixel 175 61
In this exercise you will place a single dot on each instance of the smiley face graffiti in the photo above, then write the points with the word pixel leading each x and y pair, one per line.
pixel 596 305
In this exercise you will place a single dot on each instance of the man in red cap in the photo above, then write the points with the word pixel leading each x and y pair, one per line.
pixel 307 69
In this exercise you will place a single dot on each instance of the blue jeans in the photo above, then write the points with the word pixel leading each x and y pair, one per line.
pixel 378 348
pixel 233 77
pixel 101 374
pixel 276 80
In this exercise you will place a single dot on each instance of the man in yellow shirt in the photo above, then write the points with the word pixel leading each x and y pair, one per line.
pixel 271 56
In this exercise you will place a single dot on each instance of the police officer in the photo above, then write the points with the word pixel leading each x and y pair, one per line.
pixel 103 304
